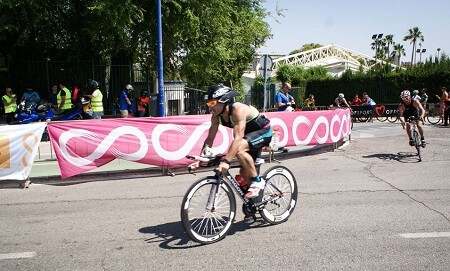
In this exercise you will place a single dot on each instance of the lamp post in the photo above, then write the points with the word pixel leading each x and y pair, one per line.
pixel 420 51
pixel 376 39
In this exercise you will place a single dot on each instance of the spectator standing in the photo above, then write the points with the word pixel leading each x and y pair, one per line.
pixel 370 102
pixel 415 95
pixel 424 97
pixel 143 102
pixel 125 101
pixel 64 98
pixel 442 99
pixel 10 104
pixel 356 100
pixel 96 97
pixel 52 99
pixel 30 97
pixel 447 111
pixel 283 99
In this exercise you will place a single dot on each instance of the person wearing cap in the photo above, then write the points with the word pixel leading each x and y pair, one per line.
pixel 10 104
pixel 125 101
pixel 283 99
pixel 252 131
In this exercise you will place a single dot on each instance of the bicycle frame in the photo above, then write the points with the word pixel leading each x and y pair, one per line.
pixel 220 178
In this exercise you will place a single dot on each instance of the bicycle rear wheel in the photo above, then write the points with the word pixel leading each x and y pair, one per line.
pixel 433 115
pixel 208 210
pixel 382 119
pixel 363 118
pixel 418 144
pixel 392 119
pixel 280 195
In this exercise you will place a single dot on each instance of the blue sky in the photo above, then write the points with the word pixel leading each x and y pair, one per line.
pixel 351 24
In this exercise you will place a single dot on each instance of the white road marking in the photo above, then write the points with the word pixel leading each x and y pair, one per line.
pixel 425 234
pixel 18 255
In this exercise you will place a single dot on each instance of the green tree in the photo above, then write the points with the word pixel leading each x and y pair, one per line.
pixel 414 35
pixel 306 47
pixel 203 41
pixel 398 52
pixel 388 40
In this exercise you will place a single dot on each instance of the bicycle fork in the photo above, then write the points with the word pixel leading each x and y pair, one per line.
pixel 213 193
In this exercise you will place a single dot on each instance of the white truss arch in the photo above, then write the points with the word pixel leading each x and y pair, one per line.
pixel 334 58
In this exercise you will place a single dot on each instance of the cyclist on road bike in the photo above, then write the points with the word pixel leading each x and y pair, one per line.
pixel 409 107
pixel 251 130
pixel 340 101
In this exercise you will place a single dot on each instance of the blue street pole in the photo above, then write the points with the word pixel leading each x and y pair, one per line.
pixel 161 111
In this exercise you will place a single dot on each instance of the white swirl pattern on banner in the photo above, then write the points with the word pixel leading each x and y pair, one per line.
pixel 157 138
pixel 103 146
pixel 312 132
pixel 344 121
pixel 190 143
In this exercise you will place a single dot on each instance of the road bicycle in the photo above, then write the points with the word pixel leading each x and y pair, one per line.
pixel 415 135
pixel 209 205
pixel 433 115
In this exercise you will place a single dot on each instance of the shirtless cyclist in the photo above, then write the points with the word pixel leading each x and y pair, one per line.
pixel 251 130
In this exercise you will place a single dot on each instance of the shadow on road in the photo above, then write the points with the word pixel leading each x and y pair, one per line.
pixel 402 157
pixel 172 235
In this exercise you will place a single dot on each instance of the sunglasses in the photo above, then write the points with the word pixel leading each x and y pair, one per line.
pixel 211 102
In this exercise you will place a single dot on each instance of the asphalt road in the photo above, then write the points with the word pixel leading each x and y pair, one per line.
pixel 369 205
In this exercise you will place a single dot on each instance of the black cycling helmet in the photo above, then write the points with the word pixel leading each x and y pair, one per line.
pixel 144 92
pixel 92 85
pixel 220 92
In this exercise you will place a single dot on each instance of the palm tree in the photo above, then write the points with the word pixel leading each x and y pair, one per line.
pixel 388 40
pixel 399 50
pixel 378 45
pixel 413 35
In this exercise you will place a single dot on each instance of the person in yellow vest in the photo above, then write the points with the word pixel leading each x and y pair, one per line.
pixel 10 105
pixel 64 98
pixel 96 97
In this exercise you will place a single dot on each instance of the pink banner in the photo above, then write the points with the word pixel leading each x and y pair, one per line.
pixel 84 145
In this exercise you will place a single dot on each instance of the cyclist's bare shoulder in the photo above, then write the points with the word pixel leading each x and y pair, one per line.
pixel 241 111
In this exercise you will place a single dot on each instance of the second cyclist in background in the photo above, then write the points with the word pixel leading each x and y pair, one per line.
pixel 340 101
pixel 411 108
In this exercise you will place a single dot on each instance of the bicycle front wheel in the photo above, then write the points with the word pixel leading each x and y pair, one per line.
pixel 208 210
pixel 418 144
pixel 279 195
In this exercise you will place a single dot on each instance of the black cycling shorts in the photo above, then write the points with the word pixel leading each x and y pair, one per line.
pixel 258 139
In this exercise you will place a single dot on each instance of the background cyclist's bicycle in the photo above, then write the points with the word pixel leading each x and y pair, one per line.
pixel 415 135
